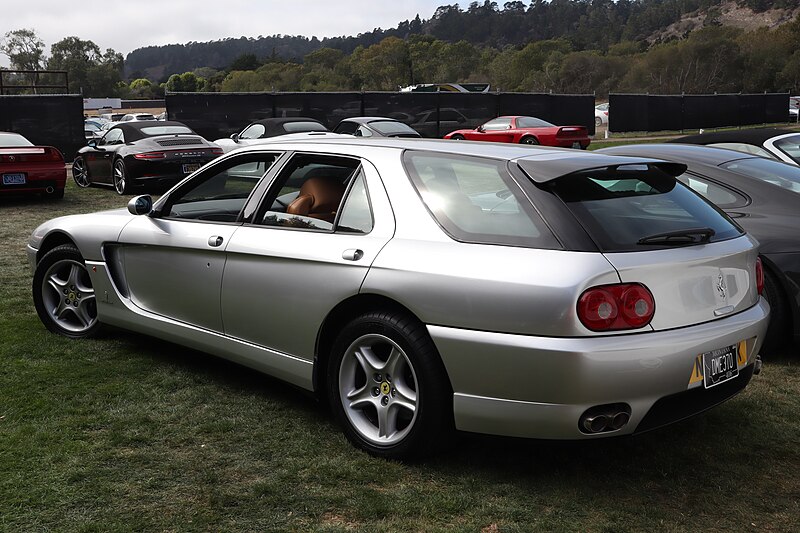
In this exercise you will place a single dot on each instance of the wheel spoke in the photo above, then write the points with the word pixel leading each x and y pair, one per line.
pixel 75 275
pixel 82 311
pixel 395 363
pixel 405 396
pixel 370 363
pixel 361 397
pixel 387 422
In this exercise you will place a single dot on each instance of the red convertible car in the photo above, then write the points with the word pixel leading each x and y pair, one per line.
pixel 525 130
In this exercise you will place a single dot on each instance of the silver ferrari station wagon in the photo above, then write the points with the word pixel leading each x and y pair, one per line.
pixel 422 287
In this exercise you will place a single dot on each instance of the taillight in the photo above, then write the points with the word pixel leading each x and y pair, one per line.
pixel 217 151
pixel 759 276
pixel 150 155
pixel 616 307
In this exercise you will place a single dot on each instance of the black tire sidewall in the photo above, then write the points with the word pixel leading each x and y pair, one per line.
pixel 59 253
pixel 529 140
pixel 434 418
pixel 778 330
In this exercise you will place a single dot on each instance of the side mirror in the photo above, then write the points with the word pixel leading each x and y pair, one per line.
pixel 480 128
pixel 92 143
pixel 140 205
pixel 235 137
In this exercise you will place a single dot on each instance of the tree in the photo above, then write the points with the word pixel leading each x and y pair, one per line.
pixel 245 62
pixel 24 49
pixel 90 71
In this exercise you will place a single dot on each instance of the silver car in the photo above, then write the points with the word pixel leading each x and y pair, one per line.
pixel 422 287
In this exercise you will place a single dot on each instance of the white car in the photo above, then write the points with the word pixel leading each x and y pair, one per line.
pixel 601 114
pixel 132 117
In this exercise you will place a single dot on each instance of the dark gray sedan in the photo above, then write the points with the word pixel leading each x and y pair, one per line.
pixel 763 196
pixel 375 127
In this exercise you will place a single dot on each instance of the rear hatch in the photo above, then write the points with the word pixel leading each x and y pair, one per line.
pixel 697 263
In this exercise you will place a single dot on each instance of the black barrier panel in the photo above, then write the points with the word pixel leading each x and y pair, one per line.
pixel 328 108
pixel 418 110
pixel 710 111
pixel 560 109
pixel 776 107
pixel 465 111
pixel 217 115
pixel 638 112
pixel 50 120
pixel 628 112
pixel 664 111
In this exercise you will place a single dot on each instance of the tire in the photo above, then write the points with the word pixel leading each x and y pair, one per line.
pixel 598 121
pixel 777 334
pixel 63 294
pixel 57 194
pixel 120 177
pixel 388 387
pixel 80 173
pixel 529 140
pixel 457 137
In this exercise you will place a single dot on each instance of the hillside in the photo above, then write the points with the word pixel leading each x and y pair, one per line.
pixel 584 24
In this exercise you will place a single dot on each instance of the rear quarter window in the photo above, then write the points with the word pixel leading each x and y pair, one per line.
pixel 475 200
pixel 623 210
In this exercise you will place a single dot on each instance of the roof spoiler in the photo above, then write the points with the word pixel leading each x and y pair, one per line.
pixel 542 171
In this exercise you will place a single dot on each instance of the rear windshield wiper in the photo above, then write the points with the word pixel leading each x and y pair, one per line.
pixel 679 237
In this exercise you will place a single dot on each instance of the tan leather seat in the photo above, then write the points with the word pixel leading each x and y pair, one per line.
pixel 319 198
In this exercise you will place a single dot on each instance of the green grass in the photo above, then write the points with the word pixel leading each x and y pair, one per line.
pixel 128 433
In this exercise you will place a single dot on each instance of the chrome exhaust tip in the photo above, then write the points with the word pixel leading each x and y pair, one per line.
pixel 595 424
pixel 619 420
pixel 757 365
pixel 604 418
pixel 49 190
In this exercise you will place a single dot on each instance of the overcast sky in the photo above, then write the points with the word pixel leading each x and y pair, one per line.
pixel 126 25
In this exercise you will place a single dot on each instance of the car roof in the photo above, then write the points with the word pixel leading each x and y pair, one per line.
pixel 541 163
pixel 367 120
pixel 695 153
pixel 755 136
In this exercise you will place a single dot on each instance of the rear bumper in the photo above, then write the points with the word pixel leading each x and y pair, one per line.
pixel 539 387
pixel 37 181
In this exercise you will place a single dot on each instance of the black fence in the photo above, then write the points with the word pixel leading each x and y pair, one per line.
pixel 640 112
pixel 52 120
pixel 216 115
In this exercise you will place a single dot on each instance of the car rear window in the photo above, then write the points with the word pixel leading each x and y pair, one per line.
pixel 776 173
pixel 639 207
pixel 532 122
pixel 153 131
pixel 389 127
pixel 296 127
pixel 475 200
pixel 13 139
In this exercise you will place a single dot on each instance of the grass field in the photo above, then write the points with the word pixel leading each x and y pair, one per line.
pixel 128 433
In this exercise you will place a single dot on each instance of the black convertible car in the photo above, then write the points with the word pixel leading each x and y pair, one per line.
pixel 146 154
pixel 763 196
pixel 268 128
pixel 774 143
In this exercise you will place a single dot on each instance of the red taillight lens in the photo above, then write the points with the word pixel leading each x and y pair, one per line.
pixel 759 276
pixel 217 151
pixel 616 307
pixel 150 155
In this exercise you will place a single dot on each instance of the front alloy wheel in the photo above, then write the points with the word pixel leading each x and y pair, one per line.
pixel 388 387
pixel 80 173
pixel 121 177
pixel 63 294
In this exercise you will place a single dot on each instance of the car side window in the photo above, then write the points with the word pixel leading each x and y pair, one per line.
pixel 713 192
pixel 497 124
pixel 220 192
pixel 253 131
pixel 308 192
pixel 346 128
pixel 363 132
pixel 356 215
pixel 112 137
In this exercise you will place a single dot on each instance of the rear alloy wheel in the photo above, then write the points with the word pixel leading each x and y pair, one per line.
pixel 598 121
pixel 778 330
pixel 63 294
pixel 120 175
pixel 388 387
pixel 80 173
pixel 529 140
pixel 457 137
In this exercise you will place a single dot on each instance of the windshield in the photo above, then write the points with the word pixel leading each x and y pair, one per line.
pixel 783 175
pixel 790 146
pixel 639 207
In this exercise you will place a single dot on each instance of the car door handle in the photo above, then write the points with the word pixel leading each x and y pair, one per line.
pixel 215 240
pixel 353 254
